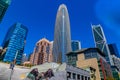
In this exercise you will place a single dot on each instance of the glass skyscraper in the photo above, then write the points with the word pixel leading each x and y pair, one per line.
pixel 62 36
pixel 3 7
pixel 114 50
pixel 101 43
pixel 75 45
pixel 14 41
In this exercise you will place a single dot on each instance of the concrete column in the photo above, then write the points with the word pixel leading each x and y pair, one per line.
pixel 71 76
pixel 83 77
pixel 76 77
pixel 87 77
pixel 80 77
pixel 74 74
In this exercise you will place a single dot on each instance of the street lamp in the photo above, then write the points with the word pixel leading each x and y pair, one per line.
pixel 13 63
pixel 15 57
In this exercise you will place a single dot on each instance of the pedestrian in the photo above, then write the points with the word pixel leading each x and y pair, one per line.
pixel 12 65
pixel 48 74
pixel 35 73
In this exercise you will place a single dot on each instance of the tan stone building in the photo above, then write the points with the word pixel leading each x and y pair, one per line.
pixel 42 52
pixel 82 63
pixel 91 57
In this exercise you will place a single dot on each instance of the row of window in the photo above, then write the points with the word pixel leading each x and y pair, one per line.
pixel 76 76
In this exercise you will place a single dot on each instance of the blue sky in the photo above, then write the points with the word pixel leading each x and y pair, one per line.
pixel 39 16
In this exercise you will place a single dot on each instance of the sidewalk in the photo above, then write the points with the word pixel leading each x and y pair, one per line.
pixel 18 74
pixel 16 66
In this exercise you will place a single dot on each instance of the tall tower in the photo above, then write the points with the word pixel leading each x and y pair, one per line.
pixel 62 36
pixel 14 43
pixel 101 43
pixel 42 52
pixel 3 7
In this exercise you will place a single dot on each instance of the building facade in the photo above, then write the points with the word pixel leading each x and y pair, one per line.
pixel 14 43
pixel 113 50
pixel 91 57
pixel 3 7
pixel 101 43
pixel 92 72
pixel 62 35
pixel 115 73
pixel 75 45
pixel 42 52
pixel 116 62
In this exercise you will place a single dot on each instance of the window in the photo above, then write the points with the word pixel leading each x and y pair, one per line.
pixel 74 76
pixel 85 78
pixel 68 75
pixel 87 55
pixel 47 49
pixel 37 48
pixel 82 77
pixel 42 48
pixel 88 78
pixel 78 77
pixel 1 9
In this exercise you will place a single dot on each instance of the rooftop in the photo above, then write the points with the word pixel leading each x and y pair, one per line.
pixel 86 49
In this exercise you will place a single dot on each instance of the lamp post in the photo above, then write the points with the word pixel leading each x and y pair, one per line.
pixel 15 57
pixel 14 62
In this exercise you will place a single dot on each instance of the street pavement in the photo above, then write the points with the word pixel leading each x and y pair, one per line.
pixel 19 73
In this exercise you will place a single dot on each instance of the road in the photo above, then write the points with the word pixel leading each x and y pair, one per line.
pixel 18 72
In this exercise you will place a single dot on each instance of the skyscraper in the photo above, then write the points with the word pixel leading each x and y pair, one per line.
pixel 113 50
pixel 42 52
pixel 100 42
pixel 24 58
pixel 3 7
pixel 75 45
pixel 14 41
pixel 62 36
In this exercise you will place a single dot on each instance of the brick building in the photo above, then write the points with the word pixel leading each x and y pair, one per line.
pixel 42 52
